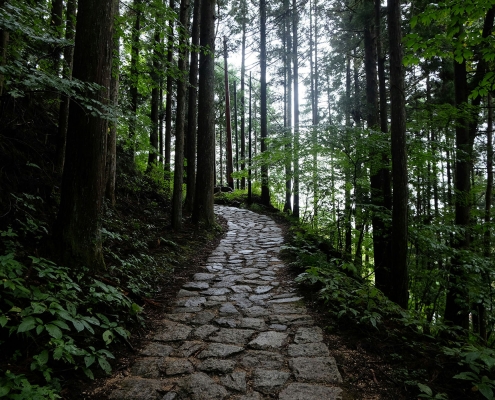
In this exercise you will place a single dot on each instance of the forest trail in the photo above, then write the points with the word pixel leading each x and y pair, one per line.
pixel 237 331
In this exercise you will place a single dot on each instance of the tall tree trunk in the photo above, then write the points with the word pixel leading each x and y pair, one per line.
pixel 168 101
pixel 181 116
pixel 203 203
pixel 378 172
pixel 228 126
pixel 56 22
pixel 192 109
pixel 111 162
pixel 4 41
pixel 155 99
pixel 77 231
pixel 288 107
pixel 63 117
pixel 250 192
pixel 399 290
pixel 243 91
pixel 314 106
pixel 236 134
pixel 265 190
pixel 135 47
pixel 295 20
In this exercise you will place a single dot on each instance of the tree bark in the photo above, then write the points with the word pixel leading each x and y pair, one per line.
pixel 111 162
pixel 56 22
pixel 243 107
pixel 181 117
pixel 288 107
pixel 295 19
pixel 228 125
pixel 155 99
pixel 135 46
pixel 77 231
pixel 399 290
pixel 168 101
pixel 203 203
pixel 192 126
pixel 265 190
pixel 63 117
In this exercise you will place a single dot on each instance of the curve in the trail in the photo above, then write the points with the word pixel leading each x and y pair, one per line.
pixel 237 331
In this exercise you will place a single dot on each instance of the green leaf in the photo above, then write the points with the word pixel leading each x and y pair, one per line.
pixel 122 332
pixel 43 357
pixel 4 391
pixel 61 324
pixel 27 324
pixel 469 376
pixel 89 373
pixel 39 329
pixel 89 360
pixel 3 320
pixel 58 353
pixel 105 365
pixel 54 331
pixel 486 391
pixel 78 325
pixel 108 336
pixel 425 389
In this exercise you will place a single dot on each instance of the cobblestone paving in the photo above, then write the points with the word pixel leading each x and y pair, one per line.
pixel 236 332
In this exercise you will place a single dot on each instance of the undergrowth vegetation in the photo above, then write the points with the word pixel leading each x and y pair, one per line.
pixel 434 360
pixel 57 323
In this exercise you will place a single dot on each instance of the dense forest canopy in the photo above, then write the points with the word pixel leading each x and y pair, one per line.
pixel 369 124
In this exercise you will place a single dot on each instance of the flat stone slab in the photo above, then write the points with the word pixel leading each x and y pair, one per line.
pixel 269 340
pixel 228 309
pixel 312 334
pixel 177 366
pixel 268 381
pixel 317 369
pixel 171 331
pixel 241 289
pixel 256 311
pixel 186 293
pixel 260 298
pixel 262 359
pixel 216 365
pixel 196 285
pixel 204 331
pixel 136 388
pixel 288 309
pixel 216 291
pixel 203 317
pixel 234 336
pixel 227 322
pixel 220 350
pixel 262 289
pixel 308 350
pixel 253 323
pixel 187 349
pixel 191 302
pixel 148 367
pixel 156 349
pixel 305 391
pixel 200 386
pixel 286 300
pixel 203 276
pixel 235 381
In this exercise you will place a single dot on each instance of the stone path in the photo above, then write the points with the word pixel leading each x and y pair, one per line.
pixel 235 332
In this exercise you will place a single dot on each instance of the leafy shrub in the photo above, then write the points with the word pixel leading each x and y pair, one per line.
pixel 58 317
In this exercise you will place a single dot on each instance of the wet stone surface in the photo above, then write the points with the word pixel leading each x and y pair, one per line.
pixel 237 330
